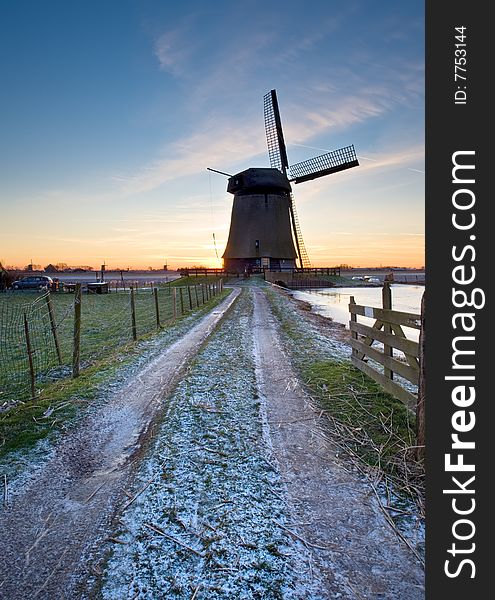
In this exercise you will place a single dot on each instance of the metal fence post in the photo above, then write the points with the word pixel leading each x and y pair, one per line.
pixel 76 354
pixel 190 297
pixel 175 302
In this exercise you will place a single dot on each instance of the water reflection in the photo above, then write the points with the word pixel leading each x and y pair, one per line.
pixel 333 302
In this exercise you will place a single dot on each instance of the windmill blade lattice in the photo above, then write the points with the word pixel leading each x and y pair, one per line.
pixel 277 151
pixel 325 164
pixel 301 248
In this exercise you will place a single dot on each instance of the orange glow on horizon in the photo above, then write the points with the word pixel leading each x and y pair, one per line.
pixel 208 262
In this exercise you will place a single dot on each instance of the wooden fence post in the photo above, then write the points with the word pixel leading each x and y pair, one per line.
pixel 420 407
pixel 174 302
pixel 203 292
pixel 157 308
pixel 354 334
pixel 32 374
pixel 196 293
pixel 190 297
pixel 133 315
pixel 53 326
pixel 181 301
pixel 387 304
pixel 76 354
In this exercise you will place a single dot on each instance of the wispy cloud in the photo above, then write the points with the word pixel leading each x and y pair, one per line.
pixel 228 143
pixel 172 51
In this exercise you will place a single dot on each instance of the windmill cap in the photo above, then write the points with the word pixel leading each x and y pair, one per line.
pixel 259 180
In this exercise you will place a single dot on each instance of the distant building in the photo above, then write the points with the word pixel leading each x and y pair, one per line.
pixel 51 269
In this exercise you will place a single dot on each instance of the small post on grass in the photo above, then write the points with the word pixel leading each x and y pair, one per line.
pixel 203 292
pixel 190 297
pixel 157 308
pixel 420 406
pixel 133 315
pixel 387 304
pixel 196 294
pixel 76 354
pixel 174 298
pixel 53 326
pixel 32 374
pixel 181 301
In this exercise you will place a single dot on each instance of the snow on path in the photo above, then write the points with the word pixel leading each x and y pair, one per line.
pixel 208 524
pixel 244 498
pixel 66 507
pixel 353 547
pixel 236 493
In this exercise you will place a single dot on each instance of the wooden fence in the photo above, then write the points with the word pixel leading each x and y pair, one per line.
pixel 388 330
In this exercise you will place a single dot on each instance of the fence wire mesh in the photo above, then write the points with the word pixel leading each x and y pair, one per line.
pixel 37 333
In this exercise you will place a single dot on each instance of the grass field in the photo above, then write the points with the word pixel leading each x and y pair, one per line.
pixel 106 325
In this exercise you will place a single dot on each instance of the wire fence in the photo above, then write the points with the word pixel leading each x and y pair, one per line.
pixel 57 335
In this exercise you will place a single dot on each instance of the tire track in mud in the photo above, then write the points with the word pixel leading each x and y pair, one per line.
pixel 355 553
pixel 208 524
pixel 52 522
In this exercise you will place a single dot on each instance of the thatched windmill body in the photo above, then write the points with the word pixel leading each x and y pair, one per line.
pixel 264 228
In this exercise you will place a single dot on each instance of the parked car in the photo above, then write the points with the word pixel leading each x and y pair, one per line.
pixel 33 282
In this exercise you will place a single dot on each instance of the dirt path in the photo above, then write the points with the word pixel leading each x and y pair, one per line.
pixel 237 492
pixel 355 552
pixel 56 517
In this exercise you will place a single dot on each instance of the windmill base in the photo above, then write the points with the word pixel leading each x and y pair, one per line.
pixel 243 265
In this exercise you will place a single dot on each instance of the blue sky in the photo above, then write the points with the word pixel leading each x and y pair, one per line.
pixel 111 111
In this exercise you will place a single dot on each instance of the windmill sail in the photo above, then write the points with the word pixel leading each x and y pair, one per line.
pixel 277 151
pixel 319 166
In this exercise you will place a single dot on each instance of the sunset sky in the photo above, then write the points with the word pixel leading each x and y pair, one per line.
pixel 111 110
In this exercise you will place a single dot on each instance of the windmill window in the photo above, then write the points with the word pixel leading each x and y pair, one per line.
pixel 257 244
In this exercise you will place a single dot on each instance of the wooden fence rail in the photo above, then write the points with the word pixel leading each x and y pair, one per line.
pixel 388 330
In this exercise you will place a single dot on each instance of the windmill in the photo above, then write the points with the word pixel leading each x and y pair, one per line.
pixel 264 227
